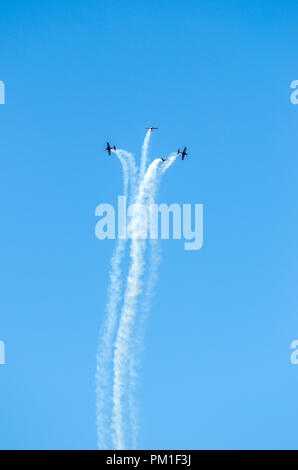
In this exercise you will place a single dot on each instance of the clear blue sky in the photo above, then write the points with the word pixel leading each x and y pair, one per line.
pixel 213 75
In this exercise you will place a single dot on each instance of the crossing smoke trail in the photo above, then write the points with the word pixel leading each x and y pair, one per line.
pixel 133 290
pixel 117 390
pixel 138 348
pixel 134 363
pixel 104 354
pixel 126 357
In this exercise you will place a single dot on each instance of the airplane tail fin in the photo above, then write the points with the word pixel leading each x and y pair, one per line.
pixel 114 147
pixel 178 152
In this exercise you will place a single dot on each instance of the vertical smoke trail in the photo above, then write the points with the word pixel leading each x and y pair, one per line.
pixel 104 354
pixel 139 337
pixel 134 361
pixel 133 290
pixel 132 170
pixel 155 255
pixel 144 155
pixel 125 351
pixel 138 347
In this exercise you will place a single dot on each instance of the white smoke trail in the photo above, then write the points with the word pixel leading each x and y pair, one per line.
pixel 144 155
pixel 169 162
pixel 133 290
pixel 135 361
pixel 104 355
pixel 155 255
pixel 123 356
pixel 138 348
pixel 133 171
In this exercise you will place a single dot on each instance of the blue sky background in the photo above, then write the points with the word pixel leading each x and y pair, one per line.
pixel 213 75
